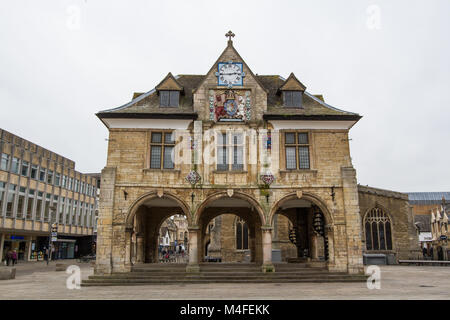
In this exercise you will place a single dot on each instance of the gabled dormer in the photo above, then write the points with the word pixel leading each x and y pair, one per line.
pixel 292 92
pixel 169 90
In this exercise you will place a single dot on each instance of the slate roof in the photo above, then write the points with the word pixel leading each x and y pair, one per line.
pixel 423 221
pixel 428 197
pixel 148 103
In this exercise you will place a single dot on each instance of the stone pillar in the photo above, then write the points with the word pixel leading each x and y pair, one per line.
pixel 193 265
pixel 28 249
pixel 267 249
pixel 105 220
pixel 252 244
pixel 2 243
pixel 128 234
pixel 140 248
pixel 314 249
pixel 351 228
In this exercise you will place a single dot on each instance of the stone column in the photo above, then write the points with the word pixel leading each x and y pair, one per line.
pixel 140 248
pixel 193 265
pixel 28 249
pixel 252 244
pixel 351 228
pixel 314 250
pixel 267 249
pixel 105 235
pixel 2 243
pixel 128 234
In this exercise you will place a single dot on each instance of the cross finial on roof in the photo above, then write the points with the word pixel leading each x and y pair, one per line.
pixel 229 35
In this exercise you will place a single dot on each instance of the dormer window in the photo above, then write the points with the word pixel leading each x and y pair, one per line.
pixel 292 99
pixel 169 98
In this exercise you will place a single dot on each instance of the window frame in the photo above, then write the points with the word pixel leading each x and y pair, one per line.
pixel 231 150
pixel 382 218
pixel 297 146
pixel 170 99
pixel 163 144
pixel 241 224
pixel 292 105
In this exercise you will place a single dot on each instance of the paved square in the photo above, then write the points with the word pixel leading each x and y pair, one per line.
pixel 39 281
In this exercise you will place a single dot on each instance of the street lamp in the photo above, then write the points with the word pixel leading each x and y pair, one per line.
pixel 52 209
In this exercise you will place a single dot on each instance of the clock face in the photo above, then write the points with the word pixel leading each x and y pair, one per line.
pixel 230 74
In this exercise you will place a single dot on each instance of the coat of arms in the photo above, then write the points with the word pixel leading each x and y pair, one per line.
pixel 229 106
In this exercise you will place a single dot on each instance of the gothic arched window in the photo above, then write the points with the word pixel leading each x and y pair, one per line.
pixel 241 235
pixel 377 226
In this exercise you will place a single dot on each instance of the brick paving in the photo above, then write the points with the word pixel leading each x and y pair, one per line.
pixel 39 281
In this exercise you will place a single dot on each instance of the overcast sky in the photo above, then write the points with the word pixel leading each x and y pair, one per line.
pixel 63 61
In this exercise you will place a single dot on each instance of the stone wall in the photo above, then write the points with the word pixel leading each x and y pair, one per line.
pixel 395 204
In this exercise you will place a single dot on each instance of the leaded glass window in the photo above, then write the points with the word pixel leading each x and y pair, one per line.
pixel 230 151
pixel 162 145
pixel 241 234
pixel 169 98
pixel 292 99
pixel 296 150
pixel 377 227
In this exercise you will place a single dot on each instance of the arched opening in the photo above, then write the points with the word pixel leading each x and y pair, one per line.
pixel 230 230
pixel 172 245
pixel 158 228
pixel 227 240
pixel 299 232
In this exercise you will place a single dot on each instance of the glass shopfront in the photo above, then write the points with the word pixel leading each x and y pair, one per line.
pixel 15 243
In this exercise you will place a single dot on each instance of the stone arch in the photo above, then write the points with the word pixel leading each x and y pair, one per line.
pixel 152 195
pixel 224 194
pixel 306 196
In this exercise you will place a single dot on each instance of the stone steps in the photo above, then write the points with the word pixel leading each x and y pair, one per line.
pixel 144 274
pixel 131 282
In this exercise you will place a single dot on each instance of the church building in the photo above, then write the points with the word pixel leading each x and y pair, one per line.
pixel 260 147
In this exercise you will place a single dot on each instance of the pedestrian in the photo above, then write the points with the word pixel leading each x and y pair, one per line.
pixel 14 257
pixel 424 251
pixel 430 253
pixel 46 254
pixel 8 256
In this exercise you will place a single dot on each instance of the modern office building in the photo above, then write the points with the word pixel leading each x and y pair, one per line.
pixel 39 188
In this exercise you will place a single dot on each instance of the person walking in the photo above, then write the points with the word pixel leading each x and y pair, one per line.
pixel 14 257
pixel 46 254
pixel 8 256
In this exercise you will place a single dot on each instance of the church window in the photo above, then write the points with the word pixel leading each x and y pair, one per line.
pixel 230 151
pixel 296 150
pixel 377 227
pixel 161 150
pixel 241 235
pixel 169 98
pixel 292 99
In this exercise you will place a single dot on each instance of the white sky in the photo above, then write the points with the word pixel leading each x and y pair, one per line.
pixel 57 71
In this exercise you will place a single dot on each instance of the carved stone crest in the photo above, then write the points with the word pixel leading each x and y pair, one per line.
pixel 230 192
pixel 160 193
pixel 299 194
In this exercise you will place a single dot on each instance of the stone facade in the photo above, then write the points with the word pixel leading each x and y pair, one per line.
pixel 405 242
pixel 320 199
